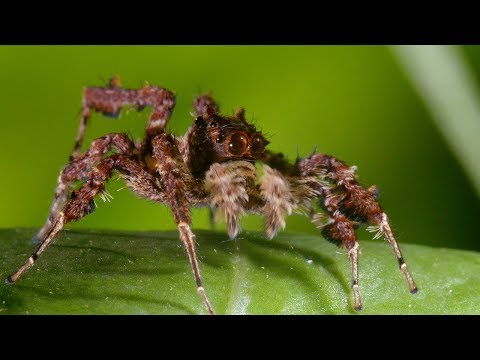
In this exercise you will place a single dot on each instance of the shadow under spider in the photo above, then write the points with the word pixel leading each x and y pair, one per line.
pixel 110 262
pixel 251 246
pixel 327 263
pixel 160 235
pixel 90 247
pixel 210 243
pixel 14 302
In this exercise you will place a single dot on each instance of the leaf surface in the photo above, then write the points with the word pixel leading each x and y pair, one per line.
pixel 107 272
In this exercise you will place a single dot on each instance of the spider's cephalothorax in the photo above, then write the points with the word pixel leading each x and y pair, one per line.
pixel 211 165
pixel 214 138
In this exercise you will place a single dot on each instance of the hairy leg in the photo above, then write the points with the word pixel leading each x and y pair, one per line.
pixel 110 100
pixel 341 231
pixel 81 203
pixel 175 176
pixel 79 170
pixel 203 104
pixel 344 196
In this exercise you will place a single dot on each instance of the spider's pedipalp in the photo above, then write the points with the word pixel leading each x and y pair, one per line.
pixel 228 185
pixel 279 202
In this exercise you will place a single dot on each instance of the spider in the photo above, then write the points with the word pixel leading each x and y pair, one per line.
pixel 211 165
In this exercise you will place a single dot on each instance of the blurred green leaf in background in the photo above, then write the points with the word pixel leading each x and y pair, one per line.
pixel 354 102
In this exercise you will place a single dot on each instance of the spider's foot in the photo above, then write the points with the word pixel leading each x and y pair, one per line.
pixel 9 281
pixel 358 307
pixel 356 298
pixel 414 290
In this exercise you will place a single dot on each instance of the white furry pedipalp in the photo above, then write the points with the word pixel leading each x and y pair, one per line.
pixel 226 185
pixel 279 201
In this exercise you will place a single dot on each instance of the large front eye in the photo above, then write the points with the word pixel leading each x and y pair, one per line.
pixel 238 144
pixel 258 144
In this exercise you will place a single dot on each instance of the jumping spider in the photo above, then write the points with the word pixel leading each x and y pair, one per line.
pixel 211 165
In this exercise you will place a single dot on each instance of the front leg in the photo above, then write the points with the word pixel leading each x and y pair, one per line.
pixel 176 176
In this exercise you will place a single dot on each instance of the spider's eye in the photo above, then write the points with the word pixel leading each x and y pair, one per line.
pixel 213 124
pixel 238 144
pixel 258 144
pixel 198 121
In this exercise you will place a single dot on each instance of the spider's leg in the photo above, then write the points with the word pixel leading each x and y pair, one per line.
pixel 203 102
pixel 200 105
pixel 361 205
pixel 82 204
pixel 341 231
pixel 78 170
pixel 110 101
pixel 384 227
pixel 175 176
pixel 343 196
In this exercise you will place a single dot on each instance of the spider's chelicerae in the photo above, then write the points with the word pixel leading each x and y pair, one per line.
pixel 211 165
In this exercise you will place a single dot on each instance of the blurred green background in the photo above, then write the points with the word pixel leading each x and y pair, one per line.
pixel 354 102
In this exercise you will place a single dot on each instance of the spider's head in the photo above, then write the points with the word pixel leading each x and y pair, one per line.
pixel 231 137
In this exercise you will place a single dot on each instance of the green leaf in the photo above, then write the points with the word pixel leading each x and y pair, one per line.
pixel 100 272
